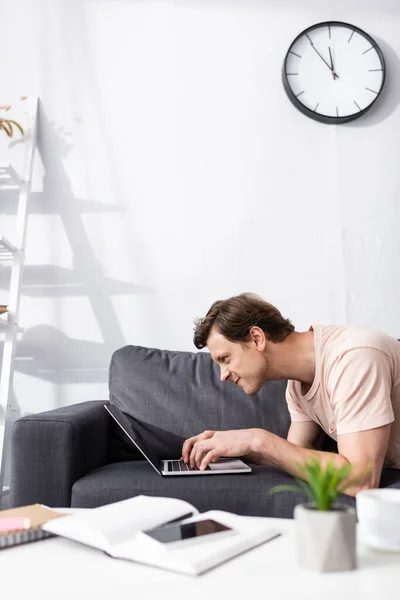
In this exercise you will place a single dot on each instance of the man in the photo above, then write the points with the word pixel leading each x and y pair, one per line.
pixel 343 380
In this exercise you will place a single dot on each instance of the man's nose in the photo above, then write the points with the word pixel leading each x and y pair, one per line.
pixel 225 374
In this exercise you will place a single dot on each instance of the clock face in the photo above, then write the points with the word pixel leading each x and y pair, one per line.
pixel 333 72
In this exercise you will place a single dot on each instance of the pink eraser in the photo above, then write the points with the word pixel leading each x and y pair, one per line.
pixel 14 523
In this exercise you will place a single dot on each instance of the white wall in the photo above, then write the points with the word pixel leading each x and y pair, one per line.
pixel 173 171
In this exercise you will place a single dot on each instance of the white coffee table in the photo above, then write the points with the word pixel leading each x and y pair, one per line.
pixel 56 568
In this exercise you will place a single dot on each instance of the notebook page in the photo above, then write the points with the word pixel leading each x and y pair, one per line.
pixel 112 524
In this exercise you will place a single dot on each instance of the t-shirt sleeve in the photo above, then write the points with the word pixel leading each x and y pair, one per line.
pixel 360 390
pixel 296 411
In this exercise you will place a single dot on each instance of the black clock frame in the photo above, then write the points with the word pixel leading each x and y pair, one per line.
pixel 325 118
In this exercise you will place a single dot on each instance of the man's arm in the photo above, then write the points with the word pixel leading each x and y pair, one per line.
pixel 367 450
pixel 301 433
pixel 305 434
pixel 364 450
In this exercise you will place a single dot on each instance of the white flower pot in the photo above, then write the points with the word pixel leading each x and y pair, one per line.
pixel 325 540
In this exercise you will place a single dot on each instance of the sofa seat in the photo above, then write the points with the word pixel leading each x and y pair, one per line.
pixel 246 494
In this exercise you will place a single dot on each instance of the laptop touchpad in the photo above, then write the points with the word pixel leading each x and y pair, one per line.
pixel 226 465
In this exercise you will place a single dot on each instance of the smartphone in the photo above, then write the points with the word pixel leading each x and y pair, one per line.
pixel 176 535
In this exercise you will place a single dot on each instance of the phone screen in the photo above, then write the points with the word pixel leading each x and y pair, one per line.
pixel 185 531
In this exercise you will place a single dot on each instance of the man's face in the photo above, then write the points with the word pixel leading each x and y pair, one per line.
pixel 241 363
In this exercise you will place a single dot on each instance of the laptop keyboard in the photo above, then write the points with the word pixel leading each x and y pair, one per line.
pixel 177 465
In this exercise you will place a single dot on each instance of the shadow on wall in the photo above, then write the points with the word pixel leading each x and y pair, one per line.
pixel 47 353
pixel 389 99
pixel 52 281
pixel 43 351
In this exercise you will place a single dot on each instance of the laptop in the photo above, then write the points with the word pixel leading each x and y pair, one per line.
pixel 168 467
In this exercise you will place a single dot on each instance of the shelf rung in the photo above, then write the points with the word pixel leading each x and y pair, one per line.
pixel 9 178
pixel 7 249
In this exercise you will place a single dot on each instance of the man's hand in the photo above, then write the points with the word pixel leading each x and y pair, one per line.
pixel 208 446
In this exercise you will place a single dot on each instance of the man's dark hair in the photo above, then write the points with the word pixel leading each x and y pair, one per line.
pixel 234 318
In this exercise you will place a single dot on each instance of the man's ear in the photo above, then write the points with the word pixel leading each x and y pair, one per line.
pixel 257 337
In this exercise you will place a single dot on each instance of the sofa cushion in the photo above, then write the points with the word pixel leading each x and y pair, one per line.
pixel 246 494
pixel 181 392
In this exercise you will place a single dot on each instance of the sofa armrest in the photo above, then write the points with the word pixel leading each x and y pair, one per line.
pixel 51 450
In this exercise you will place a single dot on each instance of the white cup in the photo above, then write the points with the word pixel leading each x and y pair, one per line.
pixel 378 513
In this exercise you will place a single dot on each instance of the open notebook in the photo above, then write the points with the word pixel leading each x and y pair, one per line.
pixel 118 529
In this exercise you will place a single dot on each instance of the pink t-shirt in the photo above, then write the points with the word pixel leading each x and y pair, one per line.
pixel 356 385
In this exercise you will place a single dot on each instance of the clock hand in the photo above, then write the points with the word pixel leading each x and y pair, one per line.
pixel 320 55
pixel 330 57
pixel 330 67
pixel 335 76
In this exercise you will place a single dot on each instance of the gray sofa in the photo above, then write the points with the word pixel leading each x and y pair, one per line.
pixel 76 456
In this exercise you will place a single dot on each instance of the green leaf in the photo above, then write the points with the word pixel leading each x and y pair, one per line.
pixel 307 490
pixel 16 125
pixel 323 484
pixel 7 128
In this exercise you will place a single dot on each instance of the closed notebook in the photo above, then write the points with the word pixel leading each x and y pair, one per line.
pixel 37 515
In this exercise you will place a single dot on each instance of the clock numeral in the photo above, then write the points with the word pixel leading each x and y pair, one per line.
pixel 368 50
pixel 297 95
pixel 375 69
pixel 329 27
pixel 357 105
pixel 291 52
pixel 352 33
pixel 316 106
pixel 337 112
pixel 291 73
pixel 373 91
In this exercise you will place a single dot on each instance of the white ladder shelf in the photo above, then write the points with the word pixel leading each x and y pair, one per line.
pixel 14 254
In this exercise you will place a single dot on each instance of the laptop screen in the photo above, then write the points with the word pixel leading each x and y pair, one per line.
pixel 127 426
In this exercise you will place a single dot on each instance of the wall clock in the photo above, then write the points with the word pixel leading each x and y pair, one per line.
pixel 333 72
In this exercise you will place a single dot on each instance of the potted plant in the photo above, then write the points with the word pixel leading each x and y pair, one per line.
pixel 325 530
pixel 7 126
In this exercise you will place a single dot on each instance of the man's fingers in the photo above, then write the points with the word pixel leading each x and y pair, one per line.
pixel 210 445
pixel 200 450
pixel 187 448
pixel 188 445
pixel 193 453
pixel 203 449
pixel 209 457
pixel 197 454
